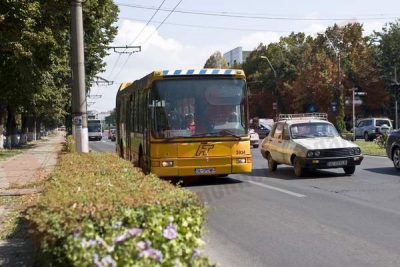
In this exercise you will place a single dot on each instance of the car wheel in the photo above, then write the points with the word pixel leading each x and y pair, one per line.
pixel 349 169
pixel 271 163
pixel 255 146
pixel 396 158
pixel 298 170
pixel 366 137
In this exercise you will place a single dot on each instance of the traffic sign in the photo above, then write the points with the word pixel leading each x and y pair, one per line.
pixel 348 101
pixel 334 107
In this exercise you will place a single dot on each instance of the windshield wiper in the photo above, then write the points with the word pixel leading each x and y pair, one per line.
pixel 204 134
pixel 231 134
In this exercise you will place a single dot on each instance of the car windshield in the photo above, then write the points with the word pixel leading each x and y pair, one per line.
pixel 312 130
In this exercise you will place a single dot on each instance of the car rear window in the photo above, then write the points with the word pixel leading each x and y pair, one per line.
pixel 382 122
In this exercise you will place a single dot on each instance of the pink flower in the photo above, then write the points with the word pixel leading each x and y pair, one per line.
pixel 135 231
pixel 170 232
pixel 152 253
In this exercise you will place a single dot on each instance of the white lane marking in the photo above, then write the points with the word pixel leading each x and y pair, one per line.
pixel 277 189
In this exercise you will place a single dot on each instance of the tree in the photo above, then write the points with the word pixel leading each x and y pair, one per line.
pixel 34 53
pixel 384 47
pixel 216 61
pixel 270 67
pixel 312 85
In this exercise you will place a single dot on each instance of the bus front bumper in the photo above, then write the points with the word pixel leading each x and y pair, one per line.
pixel 201 166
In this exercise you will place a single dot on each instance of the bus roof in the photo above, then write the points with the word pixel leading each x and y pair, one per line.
pixel 160 74
pixel 199 72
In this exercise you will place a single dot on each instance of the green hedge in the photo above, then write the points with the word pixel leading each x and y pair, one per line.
pixel 99 210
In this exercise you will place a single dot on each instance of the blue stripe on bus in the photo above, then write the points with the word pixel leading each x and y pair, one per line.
pixel 197 71
pixel 177 72
pixel 228 71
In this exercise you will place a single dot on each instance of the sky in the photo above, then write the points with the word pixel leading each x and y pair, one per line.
pixel 182 34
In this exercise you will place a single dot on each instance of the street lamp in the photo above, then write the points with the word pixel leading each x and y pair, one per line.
pixel 269 62
pixel 337 54
pixel 354 116
pixel 276 82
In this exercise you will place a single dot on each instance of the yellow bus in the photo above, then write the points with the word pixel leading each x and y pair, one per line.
pixel 179 123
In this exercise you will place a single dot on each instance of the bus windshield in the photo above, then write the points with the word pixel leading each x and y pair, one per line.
pixel 94 126
pixel 203 106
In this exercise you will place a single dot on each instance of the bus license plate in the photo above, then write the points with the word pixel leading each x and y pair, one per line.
pixel 204 170
pixel 337 163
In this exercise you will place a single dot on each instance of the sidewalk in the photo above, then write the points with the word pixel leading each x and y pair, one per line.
pixel 23 169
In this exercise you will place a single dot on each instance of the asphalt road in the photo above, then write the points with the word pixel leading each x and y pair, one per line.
pixel 105 145
pixel 326 219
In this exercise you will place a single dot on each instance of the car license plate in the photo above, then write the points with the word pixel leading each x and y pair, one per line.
pixel 337 163
pixel 204 170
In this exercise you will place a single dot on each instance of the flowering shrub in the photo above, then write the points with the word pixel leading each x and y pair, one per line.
pixel 162 241
pixel 107 213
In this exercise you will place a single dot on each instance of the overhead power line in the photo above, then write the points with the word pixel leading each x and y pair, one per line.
pixel 170 13
pixel 208 27
pixel 148 22
pixel 134 41
pixel 263 16
pixel 126 61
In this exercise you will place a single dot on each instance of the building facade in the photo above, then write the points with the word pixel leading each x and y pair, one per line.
pixel 236 56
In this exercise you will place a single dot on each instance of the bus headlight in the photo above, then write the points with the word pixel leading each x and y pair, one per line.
pixel 167 164
pixel 241 160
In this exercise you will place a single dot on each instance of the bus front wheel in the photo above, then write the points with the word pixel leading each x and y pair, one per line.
pixel 142 164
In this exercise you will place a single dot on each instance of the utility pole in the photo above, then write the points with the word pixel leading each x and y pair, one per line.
pixel 79 108
pixel 396 88
pixel 354 114
pixel 354 110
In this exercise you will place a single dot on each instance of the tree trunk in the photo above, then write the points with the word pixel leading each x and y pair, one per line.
pixel 38 127
pixel 32 127
pixel 1 127
pixel 24 129
pixel 12 135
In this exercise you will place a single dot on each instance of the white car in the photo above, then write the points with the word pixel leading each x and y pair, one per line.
pixel 309 142
pixel 254 138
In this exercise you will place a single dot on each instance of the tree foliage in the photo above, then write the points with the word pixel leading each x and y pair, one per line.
pixel 216 61
pixel 35 74
pixel 385 49
pixel 302 71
